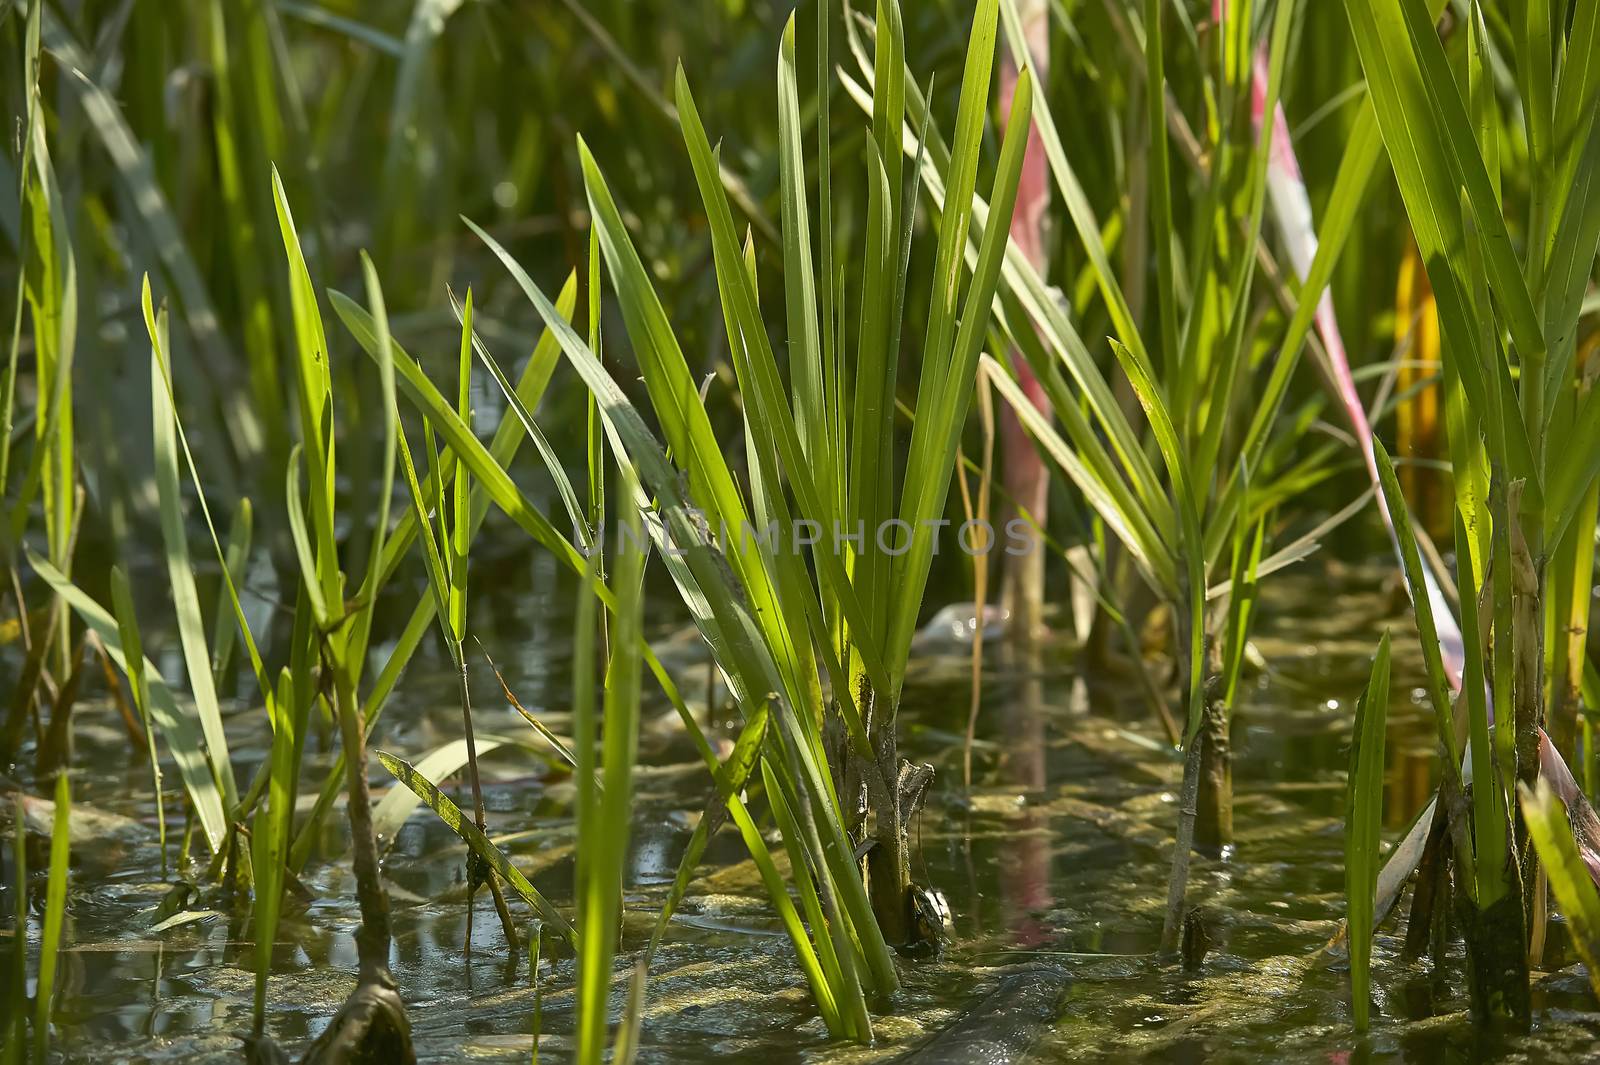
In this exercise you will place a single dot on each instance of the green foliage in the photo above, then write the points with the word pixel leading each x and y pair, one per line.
pixel 431 107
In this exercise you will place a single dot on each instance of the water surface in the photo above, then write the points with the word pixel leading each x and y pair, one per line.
pixel 1057 856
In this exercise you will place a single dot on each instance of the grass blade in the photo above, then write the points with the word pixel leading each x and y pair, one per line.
pixel 1161 424
pixel 1570 877
pixel 605 811
pixel 441 763
pixel 55 912
pixel 180 574
pixel 177 727
pixel 1363 819
pixel 451 815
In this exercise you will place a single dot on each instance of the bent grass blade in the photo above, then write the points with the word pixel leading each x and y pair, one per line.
pixel 451 815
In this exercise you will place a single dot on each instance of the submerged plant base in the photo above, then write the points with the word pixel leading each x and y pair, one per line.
pixel 371 1027
pixel 1497 968
pixel 263 1050
pixel 896 790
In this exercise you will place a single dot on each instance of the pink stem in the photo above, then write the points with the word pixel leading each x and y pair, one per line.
pixel 1024 476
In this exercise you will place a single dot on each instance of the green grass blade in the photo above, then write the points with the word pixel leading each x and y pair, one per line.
pixel 1435 155
pixel 439 413
pixel 1576 100
pixel 269 840
pixel 1572 259
pixel 55 911
pixel 1117 508
pixel 388 420
pixel 831 351
pixel 1481 101
pixel 729 783
pixel 581 523
pixel 234 557
pixel 870 382
pixel 180 574
pixel 304 553
pixel 459 542
pixel 1075 199
pixel 946 388
pixel 1219 404
pixel 736 628
pixel 961 178
pixel 716 596
pixel 1569 875
pixel 1535 57
pixel 760 377
pixel 1363 819
pixel 1243 591
pixel 799 279
pixel 16 1044
pixel 30 89
pixel 316 394
pixel 593 979
pixel 441 763
pixel 1577 465
pixel 438 579
pixel 177 727
pixel 1023 283
pixel 224 630
pixel 609 813
pixel 1161 425
pixel 594 432
pixel 1161 226
pixel 838 966
pixel 509 434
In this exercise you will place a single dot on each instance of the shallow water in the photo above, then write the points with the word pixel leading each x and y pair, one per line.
pixel 1059 856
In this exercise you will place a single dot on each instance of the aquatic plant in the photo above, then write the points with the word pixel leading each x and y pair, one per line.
pixel 1173 536
pixel 447 579
pixel 1516 495
pixel 758 607
pixel 1191 452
